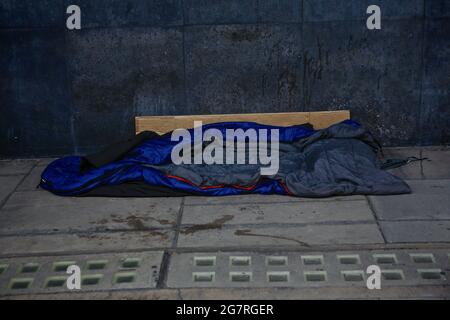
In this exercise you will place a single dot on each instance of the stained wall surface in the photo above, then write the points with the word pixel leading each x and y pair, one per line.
pixel 72 91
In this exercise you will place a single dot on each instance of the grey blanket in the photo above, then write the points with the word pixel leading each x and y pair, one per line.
pixel 339 160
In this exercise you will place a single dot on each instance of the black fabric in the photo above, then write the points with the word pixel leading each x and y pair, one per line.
pixel 135 189
pixel 115 151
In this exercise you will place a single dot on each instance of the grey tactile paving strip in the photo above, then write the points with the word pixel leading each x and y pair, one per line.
pixel 309 269
pixel 98 272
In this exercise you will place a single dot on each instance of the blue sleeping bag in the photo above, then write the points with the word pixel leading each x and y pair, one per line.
pixel 339 160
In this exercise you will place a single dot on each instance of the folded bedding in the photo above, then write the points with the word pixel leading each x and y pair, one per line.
pixel 342 159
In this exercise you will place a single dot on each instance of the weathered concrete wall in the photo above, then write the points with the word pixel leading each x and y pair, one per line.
pixel 67 91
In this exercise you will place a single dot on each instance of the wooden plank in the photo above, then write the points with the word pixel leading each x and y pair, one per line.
pixel 319 120
pixel 324 119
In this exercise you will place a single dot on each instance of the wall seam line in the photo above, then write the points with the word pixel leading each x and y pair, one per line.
pixel 422 73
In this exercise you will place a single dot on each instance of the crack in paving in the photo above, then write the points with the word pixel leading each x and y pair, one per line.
pixel 292 200
pixel 24 176
pixel 375 216
pixel 248 232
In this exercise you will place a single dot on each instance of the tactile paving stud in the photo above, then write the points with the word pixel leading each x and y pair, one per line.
pixel 96 264
pixel 385 258
pixel 3 268
pixel 203 276
pixel 278 276
pixel 422 257
pixel 243 276
pixel 61 266
pixel 29 268
pixel 91 280
pixel 55 282
pixel 353 275
pixel 203 261
pixel 315 276
pixel 239 261
pixel 312 260
pixel 349 259
pixel 277 261
pixel 391 275
pixel 131 263
pixel 431 274
pixel 20 283
pixel 124 277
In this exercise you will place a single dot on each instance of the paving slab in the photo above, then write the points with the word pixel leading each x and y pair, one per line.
pixel 439 166
pixel 85 242
pixel 302 235
pixel 31 182
pixel 259 198
pixel 416 231
pixel 104 271
pixel 430 199
pixel 269 213
pixel 7 185
pixel 308 269
pixel 411 170
pixel 11 167
pixel 45 161
pixel 38 212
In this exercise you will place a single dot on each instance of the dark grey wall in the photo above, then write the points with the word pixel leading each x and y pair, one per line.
pixel 67 92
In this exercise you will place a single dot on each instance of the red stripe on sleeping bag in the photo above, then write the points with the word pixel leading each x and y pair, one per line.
pixel 244 187
pixel 194 185
pixel 284 187
pixel 210 187
pixel 248 188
